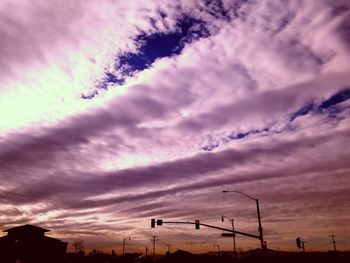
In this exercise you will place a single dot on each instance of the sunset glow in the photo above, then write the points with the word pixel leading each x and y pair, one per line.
pixel 115 112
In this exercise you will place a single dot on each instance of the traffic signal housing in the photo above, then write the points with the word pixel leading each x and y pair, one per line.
pixel 263 244
pixel 197 224
pixel 153 223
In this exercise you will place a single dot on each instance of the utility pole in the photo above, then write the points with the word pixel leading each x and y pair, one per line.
pixel 335 248
pixel 154 239
pixel 124 239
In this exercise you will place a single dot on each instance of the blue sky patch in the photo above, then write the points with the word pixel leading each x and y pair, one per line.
pixel 337 98
pixel 110 78
pixel 303 110
pixel 162 45
pixel 89 96
pixel 242 135
pixel 155 46
pixel 212 144
pixel 328 105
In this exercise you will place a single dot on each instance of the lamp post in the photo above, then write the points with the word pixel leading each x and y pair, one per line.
pixel 233 231
pixel 260 229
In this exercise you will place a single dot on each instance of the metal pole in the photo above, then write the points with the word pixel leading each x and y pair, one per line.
pixel 234 238
pixel 154 239
pixel 154 246
pixel 233 232
pixel 335 248
pixel 123 246
pixel 260 229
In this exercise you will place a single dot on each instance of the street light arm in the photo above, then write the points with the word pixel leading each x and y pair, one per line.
pixel 223 217
pixel 229 191
pixel 229 219
pixel 260 229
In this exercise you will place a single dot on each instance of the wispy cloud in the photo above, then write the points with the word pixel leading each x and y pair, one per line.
pixel 115 112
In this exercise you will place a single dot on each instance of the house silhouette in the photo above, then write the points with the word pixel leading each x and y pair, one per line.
pixel 28 244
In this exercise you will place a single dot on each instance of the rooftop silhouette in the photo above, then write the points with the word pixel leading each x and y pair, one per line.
pixel 28 244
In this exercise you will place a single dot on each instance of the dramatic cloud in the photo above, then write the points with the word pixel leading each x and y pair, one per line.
pixel 116 112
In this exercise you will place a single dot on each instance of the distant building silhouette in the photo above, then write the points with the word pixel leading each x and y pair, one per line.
pixel 28 244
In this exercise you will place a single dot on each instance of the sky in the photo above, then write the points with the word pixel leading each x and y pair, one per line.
pixel 114 112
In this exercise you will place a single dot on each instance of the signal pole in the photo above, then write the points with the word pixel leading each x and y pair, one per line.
pixel 233 233
pixel 335 248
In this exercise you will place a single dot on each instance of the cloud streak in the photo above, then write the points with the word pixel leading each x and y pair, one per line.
pixel 113 113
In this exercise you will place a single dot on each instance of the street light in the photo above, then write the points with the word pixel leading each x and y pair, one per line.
pixel 260 229
pixel 233 232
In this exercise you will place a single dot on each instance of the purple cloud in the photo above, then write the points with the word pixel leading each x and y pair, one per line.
pixel 256 100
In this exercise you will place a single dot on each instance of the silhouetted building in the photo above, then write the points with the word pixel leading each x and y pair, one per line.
pixel 28 244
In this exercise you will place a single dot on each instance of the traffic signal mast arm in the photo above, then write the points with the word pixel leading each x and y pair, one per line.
pixel 230 230
pixel 206 225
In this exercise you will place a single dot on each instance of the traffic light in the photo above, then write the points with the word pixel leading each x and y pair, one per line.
pixel 159 222
pixel 153 223
pixel 298 241
pixel 197 224
pixel 263 244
